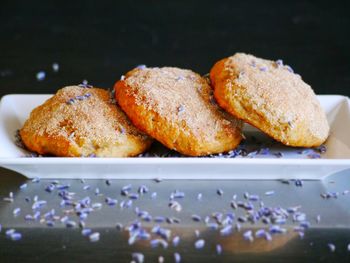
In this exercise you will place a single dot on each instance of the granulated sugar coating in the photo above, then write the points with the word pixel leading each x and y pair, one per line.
pixel 175 106
pixel 271 97
pixel 80 121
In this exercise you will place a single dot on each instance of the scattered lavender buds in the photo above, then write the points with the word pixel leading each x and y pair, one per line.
pixel 158 242
pixel 218 249
pixel 175 205
pixel 227 230
pixel 55 67
pixel 199 244
pixel 177 257
pixel 138 257
pixel 16 211
pixel 9 232
pixel 158 180
pixel 86 232
pixel 248 235
pixel 263 69
pixel 249 209
pixel 16 236
pixel 279 62
pixel 298 182
pixel 94 237
pixel 289 69
pixel 331 247
pixel 318 218
pixel 40 76
pixel 181 109
pixel 220 192
pixel 23 186
pixel 269 193
pixel 176 241
pixel 196 218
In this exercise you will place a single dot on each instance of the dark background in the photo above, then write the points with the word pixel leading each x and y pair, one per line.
pixel 100 40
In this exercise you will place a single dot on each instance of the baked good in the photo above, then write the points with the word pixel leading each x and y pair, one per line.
pixel 80 121
pixel 269 96
pixel 176 107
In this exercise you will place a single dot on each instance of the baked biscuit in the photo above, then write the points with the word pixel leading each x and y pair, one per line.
pixel 80 121
pixel 269 96
pixel 176 107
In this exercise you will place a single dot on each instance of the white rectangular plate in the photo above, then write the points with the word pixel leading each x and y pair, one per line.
pixel 15 109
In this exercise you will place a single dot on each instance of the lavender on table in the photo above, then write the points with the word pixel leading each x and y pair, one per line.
pixel 268 193
pixel 175 205
pixel 86 232
pixel 249 210
pixel 177 257
pixel 196 218
pixel 176 241
pixel 199 244
pixel 158 180
pixel 9 232
pixel 218 249
pixel 23 186
pixel 248 235
pixel 16 236
pixel 226 230
pixel 138 257
pixel 94 237
pixel 159 242
pixel 55 67
pixel 40 76
pixel 331 247
pixel 220 192
pixel 298 182
pixel 16 211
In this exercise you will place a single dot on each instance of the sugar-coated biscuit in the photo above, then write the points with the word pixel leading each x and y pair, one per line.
pixel 176 107
pixel 269 96
pixel 79 121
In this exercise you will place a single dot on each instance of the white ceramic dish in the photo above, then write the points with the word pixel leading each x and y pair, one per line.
pixel 15 109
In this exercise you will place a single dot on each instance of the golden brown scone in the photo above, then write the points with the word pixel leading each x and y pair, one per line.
pixel 269 96
pixel 176 107
pixel 80 121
